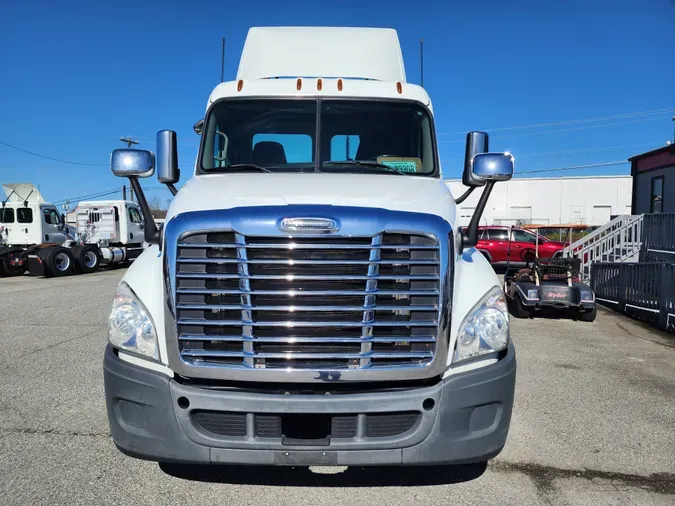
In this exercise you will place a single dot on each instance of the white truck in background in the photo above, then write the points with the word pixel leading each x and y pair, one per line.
pixel 311 298
pixel 34 237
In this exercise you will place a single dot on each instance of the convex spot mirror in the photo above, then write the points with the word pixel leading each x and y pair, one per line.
pixel 132 163
pixel 492 166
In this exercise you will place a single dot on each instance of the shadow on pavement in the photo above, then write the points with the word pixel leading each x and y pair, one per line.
pixel 332 477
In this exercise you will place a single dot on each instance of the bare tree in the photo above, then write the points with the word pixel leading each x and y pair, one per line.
pixel 156 208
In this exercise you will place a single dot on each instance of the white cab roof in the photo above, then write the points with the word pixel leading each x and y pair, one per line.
pixel 21 192
pixel 366 53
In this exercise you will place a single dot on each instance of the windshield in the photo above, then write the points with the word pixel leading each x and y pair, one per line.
pixel 308 135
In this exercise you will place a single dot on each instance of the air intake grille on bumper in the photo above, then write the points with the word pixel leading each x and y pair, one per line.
pixel 307 302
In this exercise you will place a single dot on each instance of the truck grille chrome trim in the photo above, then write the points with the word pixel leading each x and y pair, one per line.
pixel 248 302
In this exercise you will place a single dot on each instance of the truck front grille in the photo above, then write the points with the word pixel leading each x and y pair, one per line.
pixel 307 302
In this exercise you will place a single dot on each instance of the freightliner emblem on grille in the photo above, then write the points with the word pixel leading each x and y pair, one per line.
pixel 309 225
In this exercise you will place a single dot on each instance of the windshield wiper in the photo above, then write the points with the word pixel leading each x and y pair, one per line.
pixel 362 163
pixel 244 166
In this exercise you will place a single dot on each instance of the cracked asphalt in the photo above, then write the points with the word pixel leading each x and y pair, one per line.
pixel 593 423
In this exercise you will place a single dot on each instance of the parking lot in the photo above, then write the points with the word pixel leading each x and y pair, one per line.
pixel 593 423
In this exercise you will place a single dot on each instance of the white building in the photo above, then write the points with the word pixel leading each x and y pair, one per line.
pixel 588 200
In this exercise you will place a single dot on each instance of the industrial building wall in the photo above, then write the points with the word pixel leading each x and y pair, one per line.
pixel 587 200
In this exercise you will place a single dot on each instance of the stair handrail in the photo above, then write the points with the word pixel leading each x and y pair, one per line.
pixel 602 231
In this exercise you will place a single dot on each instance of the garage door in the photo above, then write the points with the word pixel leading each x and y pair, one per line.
pixel 522 214
pixel 601 215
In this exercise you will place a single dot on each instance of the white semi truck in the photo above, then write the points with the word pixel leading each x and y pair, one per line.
pixel 310 298
pixel 34 237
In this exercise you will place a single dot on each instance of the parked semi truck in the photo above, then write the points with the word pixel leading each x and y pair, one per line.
pixel 34 237
pixel 310 298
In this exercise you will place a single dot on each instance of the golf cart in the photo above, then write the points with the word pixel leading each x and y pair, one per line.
pixel 547 285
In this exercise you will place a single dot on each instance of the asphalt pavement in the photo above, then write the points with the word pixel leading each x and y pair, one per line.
pixel 593 422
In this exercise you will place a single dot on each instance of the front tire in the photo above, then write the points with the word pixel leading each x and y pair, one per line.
pixel 588 316
pixel 518 310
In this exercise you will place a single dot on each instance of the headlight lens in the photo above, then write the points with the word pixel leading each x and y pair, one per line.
pixel 485 329
pixel 130 326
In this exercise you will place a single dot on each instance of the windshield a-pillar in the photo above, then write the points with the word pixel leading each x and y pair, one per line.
pixel 310 135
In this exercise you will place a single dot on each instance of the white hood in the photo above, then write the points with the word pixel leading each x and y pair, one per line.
pixel 393 192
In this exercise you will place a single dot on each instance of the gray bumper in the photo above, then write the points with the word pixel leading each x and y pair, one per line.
pixel 468 422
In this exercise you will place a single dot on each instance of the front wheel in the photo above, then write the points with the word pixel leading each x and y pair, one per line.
pixel 518 309
pixel 588 316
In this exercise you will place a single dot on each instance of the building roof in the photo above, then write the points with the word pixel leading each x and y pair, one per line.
pixel 657 151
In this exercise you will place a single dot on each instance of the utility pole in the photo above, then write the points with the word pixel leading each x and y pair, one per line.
pixel 128 141
pixel 422 63
pixel 222 61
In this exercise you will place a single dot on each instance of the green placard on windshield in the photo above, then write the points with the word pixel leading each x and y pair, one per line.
pixel 411 165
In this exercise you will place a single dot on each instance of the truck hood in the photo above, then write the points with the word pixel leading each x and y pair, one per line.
pixel 396 193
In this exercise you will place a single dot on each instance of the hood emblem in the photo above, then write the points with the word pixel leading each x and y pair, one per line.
pixel 309 225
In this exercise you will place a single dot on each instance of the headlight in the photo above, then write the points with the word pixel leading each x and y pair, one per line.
pixel 130 326
pixel 485 329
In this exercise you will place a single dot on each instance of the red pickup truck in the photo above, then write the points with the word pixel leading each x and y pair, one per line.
pixel 493 242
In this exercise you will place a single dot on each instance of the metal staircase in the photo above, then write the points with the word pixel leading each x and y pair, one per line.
pixel 619 241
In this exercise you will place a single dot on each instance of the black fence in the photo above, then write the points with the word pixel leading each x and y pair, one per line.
pixel 642 290
pixel 658 238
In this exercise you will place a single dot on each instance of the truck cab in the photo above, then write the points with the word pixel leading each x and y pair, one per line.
pixel 310 298
pixel 110 223
pixel 26 218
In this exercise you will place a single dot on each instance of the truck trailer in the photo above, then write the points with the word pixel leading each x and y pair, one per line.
pixel 34 237
pixel 310 298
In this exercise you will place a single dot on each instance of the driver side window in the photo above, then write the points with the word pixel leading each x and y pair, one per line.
pixel 51 217
pixel 134 215
pixel 521 236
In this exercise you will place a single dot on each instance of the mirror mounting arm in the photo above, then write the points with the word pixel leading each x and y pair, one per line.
pixel 151 231
pixel 172 189
pixel 464 195
pixel 470 237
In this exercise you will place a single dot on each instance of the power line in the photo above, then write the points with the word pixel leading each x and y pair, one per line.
pixel 587 151
pixel 90 196
pixel 561 130
pixel 577 167
pixel 573 121
pixel 51 158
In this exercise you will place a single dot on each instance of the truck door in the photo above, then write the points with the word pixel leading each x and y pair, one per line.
pixel 135 225
pixel 53 229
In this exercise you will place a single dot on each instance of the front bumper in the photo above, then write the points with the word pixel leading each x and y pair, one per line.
pixel 462 419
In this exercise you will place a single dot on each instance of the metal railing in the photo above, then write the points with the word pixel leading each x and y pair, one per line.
pixel 619 240
pixel 658 238
pixel 644 290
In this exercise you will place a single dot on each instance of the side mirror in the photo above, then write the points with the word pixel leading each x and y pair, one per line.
pixel 492 167
pixel 132 163
pixel 476 142
pixel 167 157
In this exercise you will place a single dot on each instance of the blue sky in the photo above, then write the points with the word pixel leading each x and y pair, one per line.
pixel 75 76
